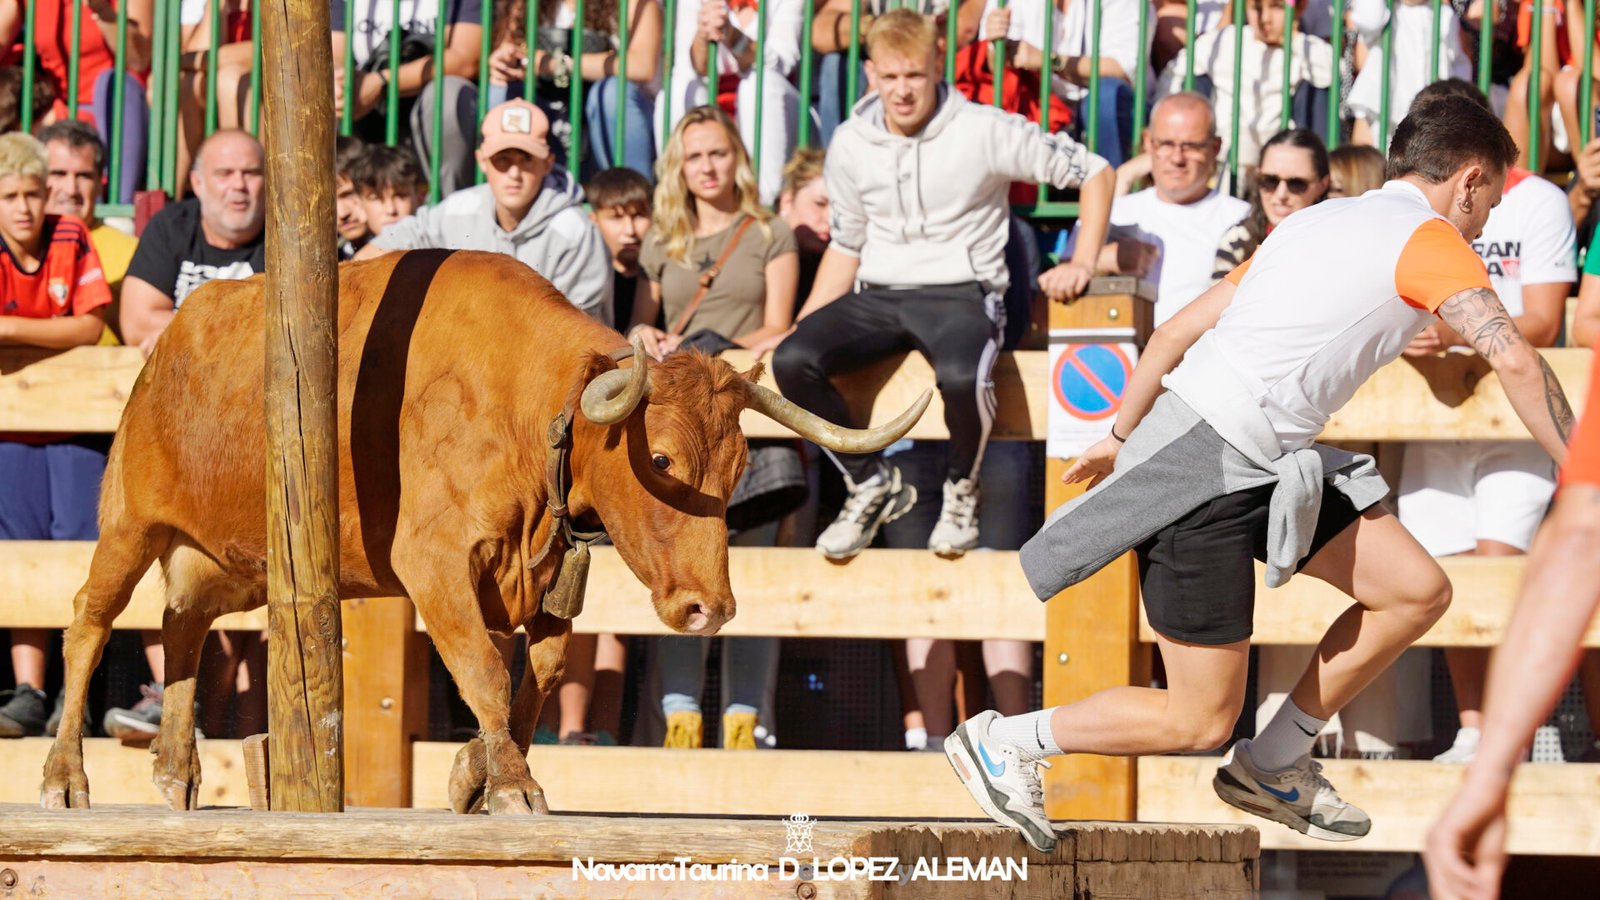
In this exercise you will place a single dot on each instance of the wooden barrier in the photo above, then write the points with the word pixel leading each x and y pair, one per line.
pixel 384 853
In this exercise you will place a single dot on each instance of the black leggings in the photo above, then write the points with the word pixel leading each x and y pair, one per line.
pixel 957 327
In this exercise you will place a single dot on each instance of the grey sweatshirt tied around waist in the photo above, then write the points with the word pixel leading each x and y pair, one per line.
pixel 1204 438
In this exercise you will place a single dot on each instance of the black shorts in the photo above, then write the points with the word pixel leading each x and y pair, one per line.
pixel 1198 574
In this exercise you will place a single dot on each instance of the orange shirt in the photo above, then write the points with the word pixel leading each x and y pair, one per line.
pixel 1583 453
pixel 67 282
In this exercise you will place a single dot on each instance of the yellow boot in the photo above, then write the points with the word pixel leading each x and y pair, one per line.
pixel 685 730
pixel 739 731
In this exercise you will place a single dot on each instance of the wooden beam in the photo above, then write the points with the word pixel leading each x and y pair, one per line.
pixel 83 390
pixel 1554 808
pixel 304 680
pixel 120 773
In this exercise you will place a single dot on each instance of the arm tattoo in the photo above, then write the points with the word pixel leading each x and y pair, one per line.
pixel 1555 400
pixel 1479 316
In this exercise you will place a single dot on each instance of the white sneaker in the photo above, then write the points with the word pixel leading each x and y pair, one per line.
pixel 1463 749
pixel 1298 797
pixel 1003 781
pixel 869 505
pixel 957 529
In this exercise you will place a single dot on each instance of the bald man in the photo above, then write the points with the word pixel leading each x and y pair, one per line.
pixel 217 233
pixel 1169 233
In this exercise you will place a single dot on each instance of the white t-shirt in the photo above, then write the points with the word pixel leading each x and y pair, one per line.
pixel 1185 234
pixel 1528 239
pixel 1335 292
pixel 1074 33
pixel 375 18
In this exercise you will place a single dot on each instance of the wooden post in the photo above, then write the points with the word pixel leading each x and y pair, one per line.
pixel 385 699
pixel 1092 629
pixel 304 680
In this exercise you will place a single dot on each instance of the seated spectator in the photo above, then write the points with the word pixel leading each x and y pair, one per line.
pixel 1022 23
pixel 75 164
pixel 44 99
pixel 53 38
pixel 1487 498
pixel 374 30
pixel 233 57
pixel 527 207
pixel 1293 175
pixel 918 179
pixel 1569 53
pixel 1172 27
pixel 1170 232
pixel 1311 71
pixel 1412 42
pixel 353 232
pixel 390 183
pixel 803 206
pixel 733 28
pixel 620 204
pixel 1353 170
pixel 53 294
pixel 709 221
pixel 217 233
pixel 599 66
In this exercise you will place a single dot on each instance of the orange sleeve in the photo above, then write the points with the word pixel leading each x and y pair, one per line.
pixel 1435 265
pixel 1583 453
pixel 1237 275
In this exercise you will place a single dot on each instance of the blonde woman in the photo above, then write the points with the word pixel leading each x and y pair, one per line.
pixel 723 269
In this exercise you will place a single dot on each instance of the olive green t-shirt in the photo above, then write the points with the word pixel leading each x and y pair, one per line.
pixel 736 302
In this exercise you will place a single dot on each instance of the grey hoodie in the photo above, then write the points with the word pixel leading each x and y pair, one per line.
pixel 933 208
pixel 555 238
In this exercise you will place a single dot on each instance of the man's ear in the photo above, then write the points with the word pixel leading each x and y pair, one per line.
pixel 872 75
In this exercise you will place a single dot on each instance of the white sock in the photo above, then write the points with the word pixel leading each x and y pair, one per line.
pixel 1286 738
pixel 1029 732
pixel 916 738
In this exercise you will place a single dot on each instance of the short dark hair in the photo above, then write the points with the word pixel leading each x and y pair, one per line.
pixel 619 186
pixel 1436 140
pixel 384 167
pixel 1450 87
pixel 347 149
pixel 76 133
pixel 44 97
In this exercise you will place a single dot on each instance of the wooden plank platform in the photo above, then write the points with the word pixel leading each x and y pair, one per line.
pixel 1554 808
pixel 135 851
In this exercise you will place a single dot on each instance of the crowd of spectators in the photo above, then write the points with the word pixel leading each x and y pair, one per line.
pixel 695 218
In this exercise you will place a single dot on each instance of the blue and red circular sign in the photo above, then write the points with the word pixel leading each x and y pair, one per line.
pixel 1089 379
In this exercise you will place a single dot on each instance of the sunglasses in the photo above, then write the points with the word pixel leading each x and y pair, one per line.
pixel 1269 184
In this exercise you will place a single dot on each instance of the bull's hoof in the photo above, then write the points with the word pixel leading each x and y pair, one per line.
pixel 181 795
pixel 468 775
pixel 65 784
pixel 518 799
pixel 176 773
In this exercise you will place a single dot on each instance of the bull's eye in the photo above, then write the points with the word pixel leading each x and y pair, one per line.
pixel 661 461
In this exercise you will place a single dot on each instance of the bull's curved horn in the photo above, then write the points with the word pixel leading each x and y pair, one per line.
pixel 831 436
pixel 613 396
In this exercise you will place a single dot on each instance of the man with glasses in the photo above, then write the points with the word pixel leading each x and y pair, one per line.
pixel 1169 233
pixel 527 207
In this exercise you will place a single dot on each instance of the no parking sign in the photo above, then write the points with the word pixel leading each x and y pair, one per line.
pixel 1087 381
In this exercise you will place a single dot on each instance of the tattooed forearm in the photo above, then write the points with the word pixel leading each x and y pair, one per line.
pixel 1479 317
pixel 1555 399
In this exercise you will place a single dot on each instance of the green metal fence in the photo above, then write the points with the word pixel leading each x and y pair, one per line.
pixel 166 78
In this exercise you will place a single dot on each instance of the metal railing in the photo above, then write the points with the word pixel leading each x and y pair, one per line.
pixel 166 79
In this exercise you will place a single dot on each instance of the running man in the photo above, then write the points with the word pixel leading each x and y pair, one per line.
pixel 1466 849
pixel 1221 468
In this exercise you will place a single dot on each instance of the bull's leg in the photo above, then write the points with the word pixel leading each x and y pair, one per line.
pixel 120 560
pixel 547 656
pixel 177 769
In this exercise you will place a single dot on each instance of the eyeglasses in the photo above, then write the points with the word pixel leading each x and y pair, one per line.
pixel 1269 184
pixel 1188 148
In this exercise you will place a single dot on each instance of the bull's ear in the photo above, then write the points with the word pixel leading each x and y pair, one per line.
pixel 754 373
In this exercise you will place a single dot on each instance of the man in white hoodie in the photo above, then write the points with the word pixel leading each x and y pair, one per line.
pixel 916 260
pixel 527 207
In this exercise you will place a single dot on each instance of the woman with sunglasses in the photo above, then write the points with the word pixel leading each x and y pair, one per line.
pixel 1292 176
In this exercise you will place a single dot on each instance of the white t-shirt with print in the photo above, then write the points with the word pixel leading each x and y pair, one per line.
pixel 1528 239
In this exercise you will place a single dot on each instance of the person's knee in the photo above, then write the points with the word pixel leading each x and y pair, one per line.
pixel 958 382
pixel 1432 598
pixel 1198 732
pixel 795 363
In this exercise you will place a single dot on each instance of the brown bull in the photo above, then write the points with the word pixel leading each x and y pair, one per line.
pixel 451 369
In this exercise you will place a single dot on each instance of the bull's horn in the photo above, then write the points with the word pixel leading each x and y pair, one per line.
pixel 613 396
pixel 831 436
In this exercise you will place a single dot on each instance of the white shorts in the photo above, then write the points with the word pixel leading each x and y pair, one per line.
pixel 1456 493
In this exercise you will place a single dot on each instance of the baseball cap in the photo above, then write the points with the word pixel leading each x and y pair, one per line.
pixel 519 125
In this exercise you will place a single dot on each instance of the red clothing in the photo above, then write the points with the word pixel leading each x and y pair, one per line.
pixel 1018 94
pixel 67 282
pixel 1583 453
pixel 52 42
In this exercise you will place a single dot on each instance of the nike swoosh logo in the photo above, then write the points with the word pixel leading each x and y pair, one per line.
pixel 1288 796
pixel 995 768
pixel 1304 731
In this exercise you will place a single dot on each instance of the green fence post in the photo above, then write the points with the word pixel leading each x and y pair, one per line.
pixel 347 116
pixel 1536 77
pixel 1388 64
pixel 1485 47
pixel 807 55
pixel 255 68
pixel 1094 73
pixel 119 71
pixel 215 7
pixel 669 45
pixel 391 133
pixel 1433 43
pixel 1286 115
pixel 997 61
pixel 1139 86
pixel 952 34
pixel 436 154
pixel 1238 88
pixel 1586 90
pixel 174 81
pixel 1335 123
pixel 853 60
pixel 28 64
pixel 485 47
pixel 575 92
pixel 1188 45
pixel 618 141
pixel 158 71
pixel 74 61
pixel 761 83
